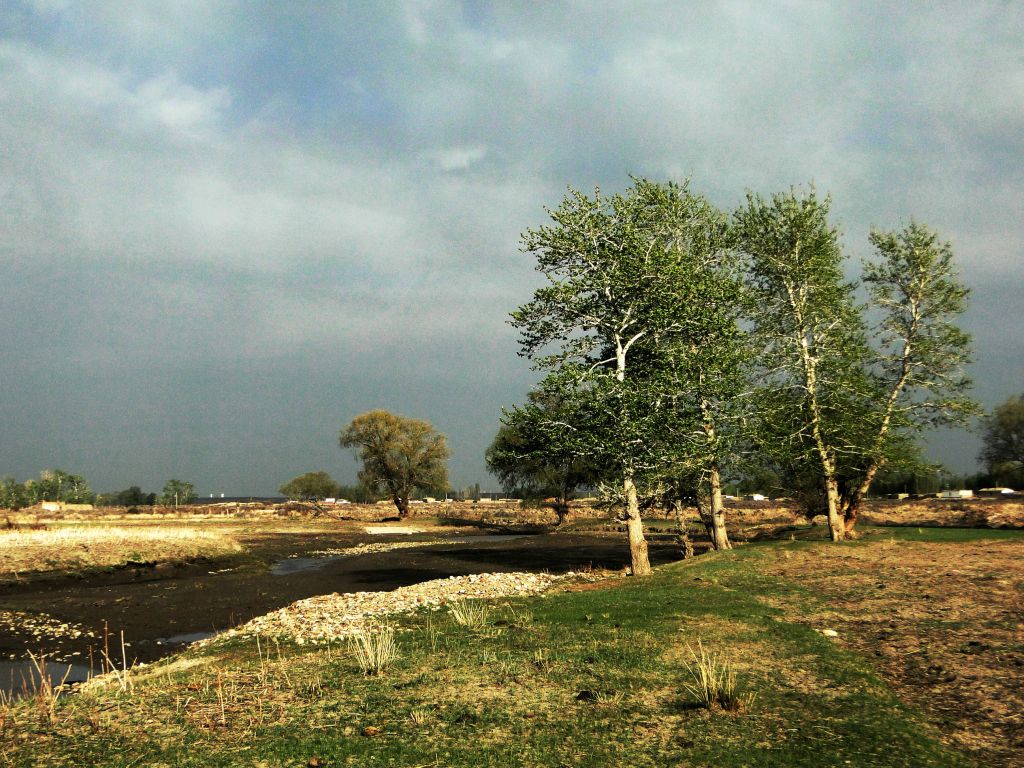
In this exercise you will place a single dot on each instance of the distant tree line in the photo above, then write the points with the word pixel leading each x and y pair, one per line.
pixel 69 488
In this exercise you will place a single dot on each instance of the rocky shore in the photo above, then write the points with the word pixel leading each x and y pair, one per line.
pixel 331 617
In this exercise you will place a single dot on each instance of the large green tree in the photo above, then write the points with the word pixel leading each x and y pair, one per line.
pixel 399 455
pixel 626 301
pixel 1003 451
pixel 841 402
pixel 814 341
pixel 919 356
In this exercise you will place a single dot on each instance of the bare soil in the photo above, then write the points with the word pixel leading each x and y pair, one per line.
pixel 943 622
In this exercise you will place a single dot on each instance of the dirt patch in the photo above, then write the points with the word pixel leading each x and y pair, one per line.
pixel 943 622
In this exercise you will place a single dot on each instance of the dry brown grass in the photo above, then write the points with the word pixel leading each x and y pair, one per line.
pixel 76 548
pixel 942 621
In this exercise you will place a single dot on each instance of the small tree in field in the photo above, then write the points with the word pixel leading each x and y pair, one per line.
pixel 525 461
pixel 399 455
pixel 312 486
pixel 13 494
pixel 177 492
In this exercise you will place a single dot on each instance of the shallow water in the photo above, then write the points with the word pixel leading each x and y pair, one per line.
pixel 184 639
pixel 19 678
pixel 303 564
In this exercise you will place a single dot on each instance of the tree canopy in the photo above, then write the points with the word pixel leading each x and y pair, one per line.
pixel 680 343
pixel 312 486
pixel 1003 451
pixel 399 455
pixel 177 492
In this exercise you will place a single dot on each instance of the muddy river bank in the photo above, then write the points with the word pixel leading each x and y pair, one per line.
pixel 162 607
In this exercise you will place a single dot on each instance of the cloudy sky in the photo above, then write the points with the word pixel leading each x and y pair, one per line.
pixel 227 227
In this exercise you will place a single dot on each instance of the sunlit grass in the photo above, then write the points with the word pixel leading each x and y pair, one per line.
pixel 73 548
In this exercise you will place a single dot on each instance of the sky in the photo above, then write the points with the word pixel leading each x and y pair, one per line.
pixel 227 228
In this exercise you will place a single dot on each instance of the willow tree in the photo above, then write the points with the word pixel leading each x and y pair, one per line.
pixel 400 455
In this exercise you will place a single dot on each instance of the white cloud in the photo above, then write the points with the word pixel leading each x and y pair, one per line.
pixel 458 158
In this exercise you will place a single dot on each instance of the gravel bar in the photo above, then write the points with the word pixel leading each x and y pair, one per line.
pixel 331 617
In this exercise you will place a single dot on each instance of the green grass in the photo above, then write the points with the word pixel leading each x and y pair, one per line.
pixel 591 678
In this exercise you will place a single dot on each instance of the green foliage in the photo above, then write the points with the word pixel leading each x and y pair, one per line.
pixel 638 328
pixel 399 455
pixel 312 486
pixel 177 492
pixel 58 485
pixel 1003 451
pixel 530 465
pixel 13 495
pixel 813 342
pixel 129 497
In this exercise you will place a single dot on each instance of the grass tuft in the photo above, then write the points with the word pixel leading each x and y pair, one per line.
pixel 375 649
pixel 471 614
pixel 714 681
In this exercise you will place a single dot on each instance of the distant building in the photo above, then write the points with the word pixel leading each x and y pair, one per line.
pixel 755 497
pixel 995 491
pixel 960 494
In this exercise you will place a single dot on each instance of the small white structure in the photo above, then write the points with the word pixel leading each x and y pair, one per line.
pixel 995 491
pixel 755 497
pixel 960 494
pixel 64 506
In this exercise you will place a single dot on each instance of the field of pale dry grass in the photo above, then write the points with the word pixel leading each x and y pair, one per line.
pixel 73 548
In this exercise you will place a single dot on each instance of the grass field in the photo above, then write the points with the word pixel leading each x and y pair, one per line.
pixel 598 676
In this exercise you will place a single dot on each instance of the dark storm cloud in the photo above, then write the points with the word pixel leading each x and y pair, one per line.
pixel 228 228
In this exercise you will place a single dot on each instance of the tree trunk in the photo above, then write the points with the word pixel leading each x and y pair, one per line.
pixel 635 530
pixel 704 513
pixel 562 510
pixel 402 504
pixel 851 506
pixel 719 535
pixel 685 544
pixel 850 518
pixel 836 526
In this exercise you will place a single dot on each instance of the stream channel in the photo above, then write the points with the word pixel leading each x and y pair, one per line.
pixel 162 608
